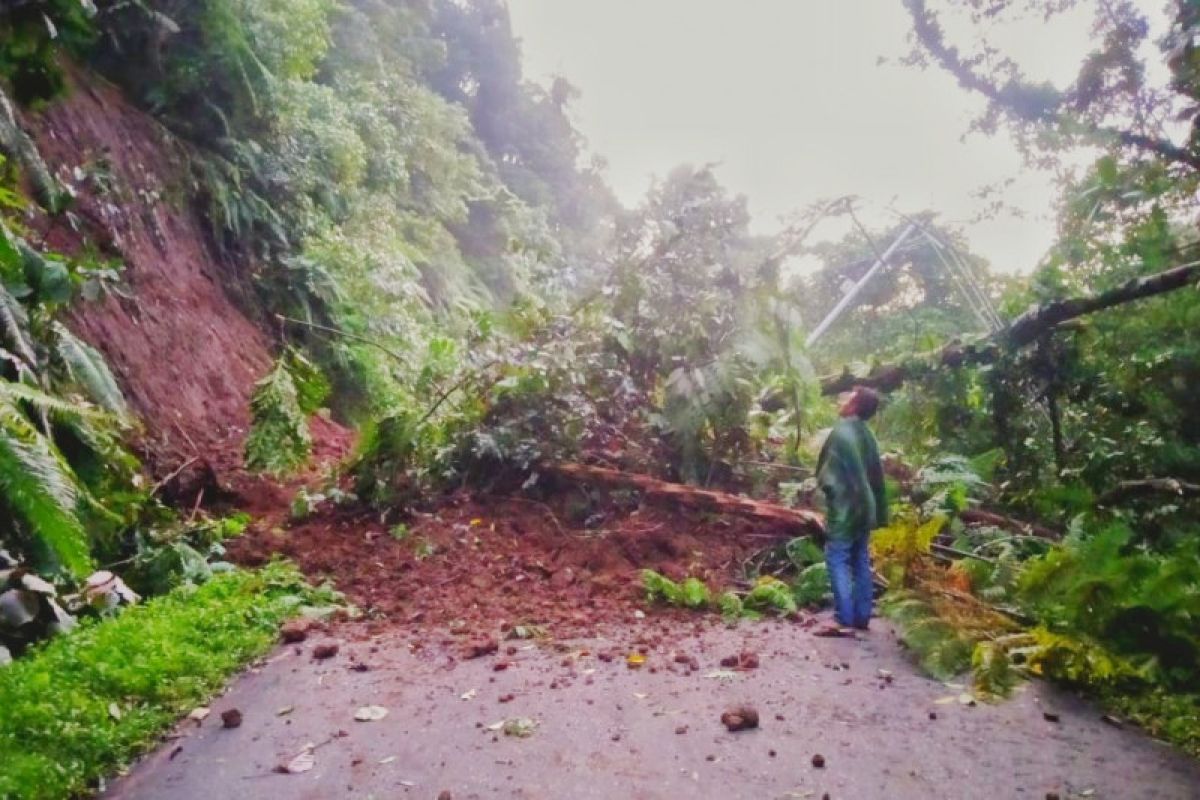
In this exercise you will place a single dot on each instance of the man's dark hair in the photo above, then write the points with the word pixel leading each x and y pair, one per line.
pixel 866 402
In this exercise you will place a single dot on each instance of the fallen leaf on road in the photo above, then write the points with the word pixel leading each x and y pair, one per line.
pixel 283 712
pixel 519 726
pixel 370 713
pixel 468 695
pixel 635 660
pixel 941 701
pixel 387 760
pixel 303 762
pixel 966 699
pixel 722 674
pixel 199 714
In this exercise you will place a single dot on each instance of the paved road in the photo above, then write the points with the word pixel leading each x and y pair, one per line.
pixel 607 731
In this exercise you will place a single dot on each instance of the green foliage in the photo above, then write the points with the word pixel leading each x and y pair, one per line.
pixel 950 483
pixel 312 388
pixel 940 649
pixel 40 487
pixel 769 595
pixel 811 587
pixel 993 674
pixel 1140 605
pixel 1077 662
pixel 279 439
pixel 86 368
pixel 153 662
pixel 692 593
pixel 903 541
pixel 730 605
pixel 30 36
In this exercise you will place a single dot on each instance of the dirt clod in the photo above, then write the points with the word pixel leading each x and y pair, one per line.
pixel 743 660
pixel 818 761
pixel 231 718
pixel 326 650
pixel 481 647
pixel 740 718
pixel 295 630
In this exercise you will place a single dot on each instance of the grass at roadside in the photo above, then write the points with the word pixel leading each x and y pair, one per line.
pixel 84 704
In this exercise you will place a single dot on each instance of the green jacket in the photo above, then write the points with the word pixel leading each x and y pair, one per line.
pixel 851 475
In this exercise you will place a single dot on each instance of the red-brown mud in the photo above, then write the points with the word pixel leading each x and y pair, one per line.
pixel 490 564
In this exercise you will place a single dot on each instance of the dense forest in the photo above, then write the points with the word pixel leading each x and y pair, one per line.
pixel 427 261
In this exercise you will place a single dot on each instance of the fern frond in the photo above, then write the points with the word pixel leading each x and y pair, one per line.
pixel 39 486
pixel 14 327
pixel 95 428
pixel 89 371
pixel 279 439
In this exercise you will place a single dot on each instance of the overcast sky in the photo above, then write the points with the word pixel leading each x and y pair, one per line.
pixel 789 97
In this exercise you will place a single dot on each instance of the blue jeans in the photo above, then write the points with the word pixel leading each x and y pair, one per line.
pixel 849 563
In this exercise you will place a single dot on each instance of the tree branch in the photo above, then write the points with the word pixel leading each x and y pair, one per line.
pixel 1027 103
pixel 1036 322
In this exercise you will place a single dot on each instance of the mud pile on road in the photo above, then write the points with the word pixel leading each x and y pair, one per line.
pixel 493 563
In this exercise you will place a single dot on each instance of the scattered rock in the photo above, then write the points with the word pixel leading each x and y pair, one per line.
pixel 933 715
pixel 326 650
pixel 818 761
pixel 444 794
pixel 481 647
pixel 1050 716
pixel 506 698
pixel 295 630
pixel 771 753
pixel 681 729
pixel 740 718
pixel 231 718
pixel 743 660
pixel 370 713
pixel 500 666
pixel 689 661
pixel 1052 796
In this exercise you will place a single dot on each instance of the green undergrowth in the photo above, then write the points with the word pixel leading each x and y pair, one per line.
pixel 768 595
pixel 82 705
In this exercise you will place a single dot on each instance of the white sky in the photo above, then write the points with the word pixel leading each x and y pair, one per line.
pixel 787 95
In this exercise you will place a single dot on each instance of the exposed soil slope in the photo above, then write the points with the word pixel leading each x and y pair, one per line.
pixel 186 356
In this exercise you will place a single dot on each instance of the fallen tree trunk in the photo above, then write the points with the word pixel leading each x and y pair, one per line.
pixel 978 516
pixel 1033 324
pixel 1128 489
pixel 803 521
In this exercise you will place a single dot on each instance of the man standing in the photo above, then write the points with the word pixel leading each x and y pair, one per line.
pixel 851 475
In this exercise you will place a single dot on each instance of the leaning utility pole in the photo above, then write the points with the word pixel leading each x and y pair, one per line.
pixel 832 316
